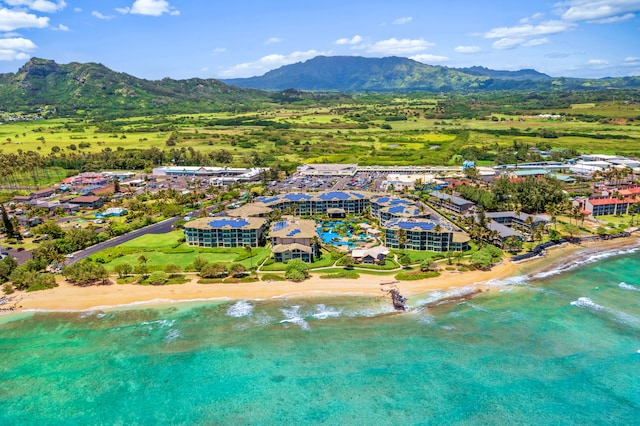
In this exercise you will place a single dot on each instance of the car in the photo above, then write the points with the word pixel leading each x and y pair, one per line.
pixel 70 255
pixel 20 248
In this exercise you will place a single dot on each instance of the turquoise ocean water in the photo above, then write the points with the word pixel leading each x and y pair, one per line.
pixel 555 348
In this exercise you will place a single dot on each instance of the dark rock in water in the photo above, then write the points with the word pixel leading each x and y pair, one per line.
pixel 399 301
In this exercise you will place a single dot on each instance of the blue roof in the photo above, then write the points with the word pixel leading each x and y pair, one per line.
pixel 396 209
pixel 267 200
pixel 233 223
pixel 396 201
pixel 424 225
pixel 297 197
pixel 278 226
pixel 293 232
pixel 382 199
pixel 334 195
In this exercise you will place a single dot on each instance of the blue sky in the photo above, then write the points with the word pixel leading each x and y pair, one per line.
pixel 181 39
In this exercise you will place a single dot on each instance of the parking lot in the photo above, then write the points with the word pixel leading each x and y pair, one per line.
pixel 362 181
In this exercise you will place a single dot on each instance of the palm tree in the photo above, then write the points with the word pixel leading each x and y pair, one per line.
pixel 248 249
pixel 401 236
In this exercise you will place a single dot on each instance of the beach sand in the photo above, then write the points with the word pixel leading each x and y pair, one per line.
pixel 67 297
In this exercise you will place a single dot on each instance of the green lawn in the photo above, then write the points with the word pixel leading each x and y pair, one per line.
pixel 162 249
pixel 324 261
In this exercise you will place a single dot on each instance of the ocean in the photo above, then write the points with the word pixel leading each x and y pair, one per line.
pixel 560 347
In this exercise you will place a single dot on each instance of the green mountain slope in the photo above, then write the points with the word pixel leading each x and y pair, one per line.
pixel 352 73
pixel 96 89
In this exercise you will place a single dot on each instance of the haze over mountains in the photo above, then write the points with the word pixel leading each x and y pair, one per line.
pixel 90 86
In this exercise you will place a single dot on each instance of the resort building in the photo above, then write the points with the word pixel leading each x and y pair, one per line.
pixel 225 231
pixel 449 202
pixel 502 231
pixel 307 204
pixel 424 234
pixel 293 238
pixel 219 175
pixel 250 210
pixel 374 255
pixel 328 169
pixel 605 206
pixel 519 220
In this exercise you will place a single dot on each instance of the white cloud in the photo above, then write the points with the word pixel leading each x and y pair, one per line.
pixel 631 61
pixel 77 9
pixel 123 10
pixel 12 20
pixel 467 49
pixel 597 62
pixel 507 43
pixel 353 40
pixel 429 59
pixel 527 30
pixel 536 42
pixel 592 10
pixel 152 8
pixel 15 48
pixel 613 19
pixel 402 21
pixel 394 46
pixel 62 27
pixel 12 55
pixel 45 6
pixel 273 40
pixel 19 44
pixel 269 62
pixel 218 50
pixel 101 16
pixel 534 17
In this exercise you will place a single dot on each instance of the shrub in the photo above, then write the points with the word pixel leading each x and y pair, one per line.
pixel 213 270
pixel 158 277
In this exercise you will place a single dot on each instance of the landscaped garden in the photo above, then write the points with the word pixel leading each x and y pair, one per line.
pixel 156 251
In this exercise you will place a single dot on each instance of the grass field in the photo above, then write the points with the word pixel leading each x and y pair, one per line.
pixel 333 135
pixel 163 249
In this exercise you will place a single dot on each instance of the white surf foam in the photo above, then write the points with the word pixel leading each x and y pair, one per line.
pixel 324 312
pixel 626 286
pixel 585 302
pixel 585 260
pixel 157 324
pixel 292 316
pixel 617 316
pixel 240 309
pixel 172 335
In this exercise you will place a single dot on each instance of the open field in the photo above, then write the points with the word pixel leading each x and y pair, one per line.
pixel 402 131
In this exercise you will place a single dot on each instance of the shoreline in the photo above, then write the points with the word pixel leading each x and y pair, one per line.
pixel 69 298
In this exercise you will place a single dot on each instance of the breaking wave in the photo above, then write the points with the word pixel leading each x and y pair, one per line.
pixel 626 286
pixel 617 316
pixel 584 260
pixel 240 309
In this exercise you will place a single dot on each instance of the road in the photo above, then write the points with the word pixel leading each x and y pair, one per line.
pixel 157 228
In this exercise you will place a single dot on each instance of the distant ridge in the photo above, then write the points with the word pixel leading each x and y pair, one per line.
pixel 74 87
pixel 356 73
pixel 91 89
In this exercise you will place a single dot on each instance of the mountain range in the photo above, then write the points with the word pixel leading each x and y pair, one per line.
pixel 354 73
pixel 79 88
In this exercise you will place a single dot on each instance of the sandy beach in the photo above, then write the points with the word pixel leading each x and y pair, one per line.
pixel 67 297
